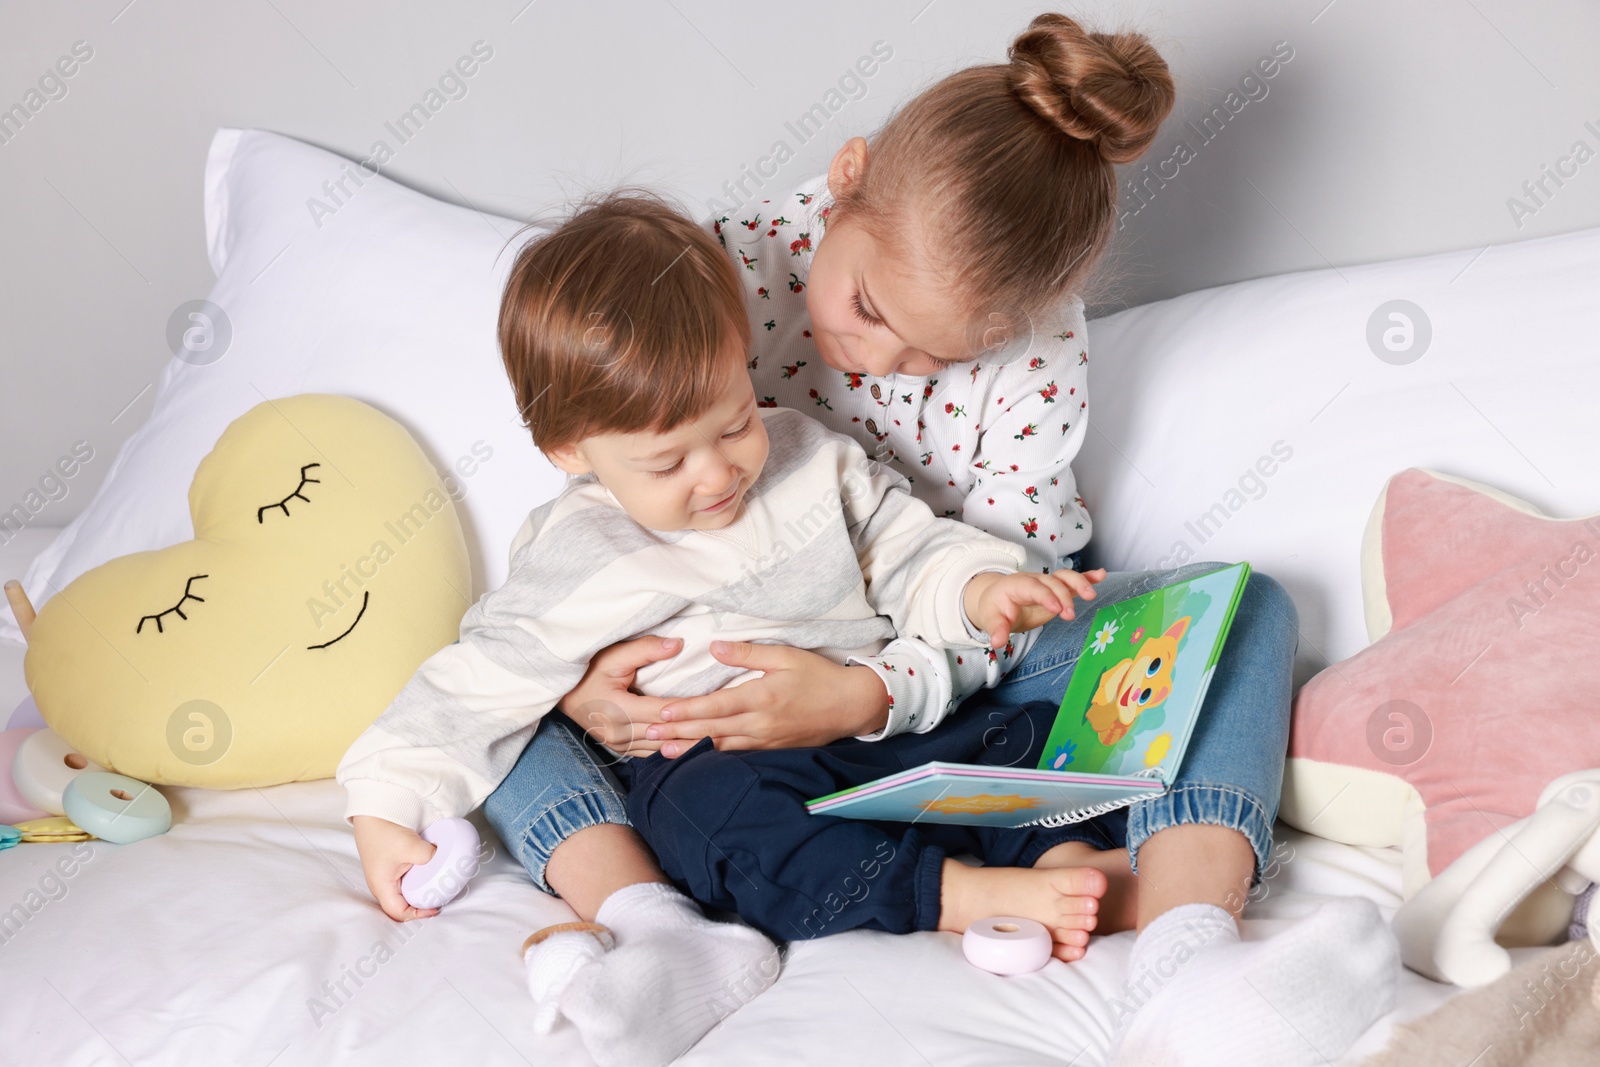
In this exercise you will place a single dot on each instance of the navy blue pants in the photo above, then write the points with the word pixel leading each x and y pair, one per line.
pixel 732 831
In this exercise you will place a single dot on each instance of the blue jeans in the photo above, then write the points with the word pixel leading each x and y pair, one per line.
pixel 562 783
pixel 1231 774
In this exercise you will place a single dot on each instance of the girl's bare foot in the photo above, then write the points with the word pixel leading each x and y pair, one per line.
pixel 1064 899
pixel 1119 905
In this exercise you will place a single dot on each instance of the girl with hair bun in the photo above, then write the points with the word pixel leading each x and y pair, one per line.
pixel 925 297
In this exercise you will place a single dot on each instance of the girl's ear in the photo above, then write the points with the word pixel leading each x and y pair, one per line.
pixel 568 459
pixel 849 163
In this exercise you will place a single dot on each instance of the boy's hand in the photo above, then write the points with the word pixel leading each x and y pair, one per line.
pixel 388 850
pixel 1003 604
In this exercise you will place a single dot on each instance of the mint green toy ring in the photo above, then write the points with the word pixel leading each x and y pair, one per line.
pixel 116 808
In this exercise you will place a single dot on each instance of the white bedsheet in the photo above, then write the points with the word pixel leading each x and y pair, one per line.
pixel 228 939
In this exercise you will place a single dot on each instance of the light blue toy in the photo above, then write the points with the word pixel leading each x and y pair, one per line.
pixel 116 808
pixel 9 835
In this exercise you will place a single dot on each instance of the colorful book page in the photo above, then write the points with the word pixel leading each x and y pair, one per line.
pixel 1138 686
pixel 1124 724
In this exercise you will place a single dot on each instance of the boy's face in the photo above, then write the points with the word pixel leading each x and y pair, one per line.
pixel 692 477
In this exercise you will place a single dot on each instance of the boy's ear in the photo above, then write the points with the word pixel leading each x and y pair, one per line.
pixel 568 459
pixel 849 163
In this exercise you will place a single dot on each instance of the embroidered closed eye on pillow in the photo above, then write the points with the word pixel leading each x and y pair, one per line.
pixel 1479 687
pixel 327 563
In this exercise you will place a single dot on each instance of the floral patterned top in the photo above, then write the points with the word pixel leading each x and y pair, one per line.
pixel 988 443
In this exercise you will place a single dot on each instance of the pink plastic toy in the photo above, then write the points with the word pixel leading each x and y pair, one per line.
pixel 1007 944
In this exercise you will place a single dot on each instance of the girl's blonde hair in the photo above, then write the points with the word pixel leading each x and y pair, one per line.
pixel 1008 168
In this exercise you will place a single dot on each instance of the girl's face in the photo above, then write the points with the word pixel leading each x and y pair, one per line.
pixel 873 312
pixel 873 315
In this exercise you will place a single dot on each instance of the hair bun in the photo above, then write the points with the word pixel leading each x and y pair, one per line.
pixel 1113 89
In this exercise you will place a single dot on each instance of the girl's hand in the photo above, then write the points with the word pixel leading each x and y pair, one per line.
pixel 802 700
pixel 604 703
pixel 1002 604
pixel 388 850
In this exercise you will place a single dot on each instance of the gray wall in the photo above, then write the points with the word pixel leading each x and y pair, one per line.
pixel 1397 128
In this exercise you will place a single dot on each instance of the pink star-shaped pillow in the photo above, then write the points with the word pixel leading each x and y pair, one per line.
pixel 1482 683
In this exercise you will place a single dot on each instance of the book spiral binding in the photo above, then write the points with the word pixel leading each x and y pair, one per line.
pixel 1067 818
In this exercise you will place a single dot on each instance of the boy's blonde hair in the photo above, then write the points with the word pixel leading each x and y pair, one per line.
pixel 620 320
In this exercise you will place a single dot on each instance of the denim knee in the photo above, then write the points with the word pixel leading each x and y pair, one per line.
pixel 557 788
pixel 1272 598
pixel 1204 804
pixel 1234 792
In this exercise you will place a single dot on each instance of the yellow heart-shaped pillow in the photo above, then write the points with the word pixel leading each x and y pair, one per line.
pixel 328 562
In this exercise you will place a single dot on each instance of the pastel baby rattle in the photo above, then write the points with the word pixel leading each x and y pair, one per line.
pixel 1007 945
pixel 47 774
pixel 42 768
pixel 14 807
pixel 116 808
pixel 455 857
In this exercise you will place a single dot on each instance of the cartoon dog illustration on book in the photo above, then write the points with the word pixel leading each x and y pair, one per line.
pixel 1127 689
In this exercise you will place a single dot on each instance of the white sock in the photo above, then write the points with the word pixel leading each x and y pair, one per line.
pixel 672 977
pixel 550 965
pixel 1198 995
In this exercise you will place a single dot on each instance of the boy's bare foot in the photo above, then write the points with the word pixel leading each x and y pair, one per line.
pixel 1119 905
pixel 1064 899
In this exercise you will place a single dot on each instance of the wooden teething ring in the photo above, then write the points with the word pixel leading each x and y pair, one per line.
pixel 601 934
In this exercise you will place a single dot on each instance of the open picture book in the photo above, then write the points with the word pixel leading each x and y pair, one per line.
pixel 1125 721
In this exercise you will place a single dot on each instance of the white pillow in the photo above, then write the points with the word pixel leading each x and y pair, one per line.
pixel 376 292
pixel 392 298
pixel 1187 396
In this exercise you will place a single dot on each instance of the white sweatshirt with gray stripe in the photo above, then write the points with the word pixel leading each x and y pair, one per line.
pixel 832 553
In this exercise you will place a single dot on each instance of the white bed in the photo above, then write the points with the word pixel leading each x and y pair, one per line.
pixel 245 935
pixel 212 944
